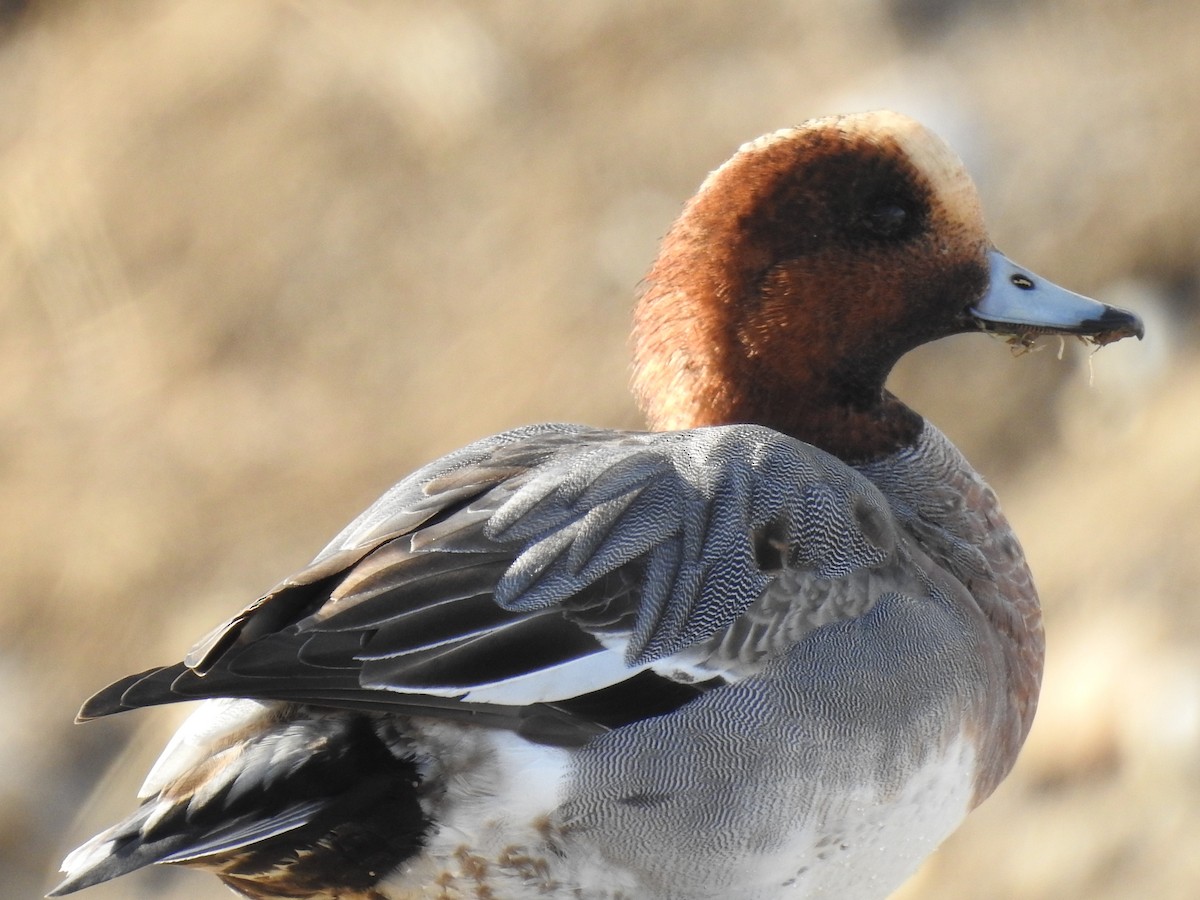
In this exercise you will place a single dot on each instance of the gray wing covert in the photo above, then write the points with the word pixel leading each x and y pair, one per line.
pixel 551 564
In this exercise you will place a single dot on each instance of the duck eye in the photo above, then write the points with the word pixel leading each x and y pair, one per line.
pixel 886 220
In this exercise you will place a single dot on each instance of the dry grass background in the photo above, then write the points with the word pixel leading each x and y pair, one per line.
pixel 258 259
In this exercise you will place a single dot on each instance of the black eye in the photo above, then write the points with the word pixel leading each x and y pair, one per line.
pixel 887 220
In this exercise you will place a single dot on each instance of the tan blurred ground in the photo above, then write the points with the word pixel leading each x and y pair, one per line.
pixel 258 259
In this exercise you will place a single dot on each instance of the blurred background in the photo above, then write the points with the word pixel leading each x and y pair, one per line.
pixel 258 260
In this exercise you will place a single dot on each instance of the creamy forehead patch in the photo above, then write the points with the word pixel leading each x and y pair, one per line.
pixel 951 185
pixel 929 154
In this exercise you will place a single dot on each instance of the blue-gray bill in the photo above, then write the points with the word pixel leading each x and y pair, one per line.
pixel 1024 305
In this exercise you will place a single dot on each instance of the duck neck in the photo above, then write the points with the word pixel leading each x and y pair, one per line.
pixel 705 355
pixel 699 382
pixel 855 428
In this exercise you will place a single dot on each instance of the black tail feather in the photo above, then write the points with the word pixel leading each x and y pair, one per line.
pixel 308 800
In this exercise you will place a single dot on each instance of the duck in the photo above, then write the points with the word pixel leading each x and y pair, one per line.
pixel 777 645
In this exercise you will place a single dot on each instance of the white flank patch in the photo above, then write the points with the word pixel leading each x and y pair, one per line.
pixel 499 790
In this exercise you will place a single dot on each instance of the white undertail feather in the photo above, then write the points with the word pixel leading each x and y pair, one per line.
pixel 213 722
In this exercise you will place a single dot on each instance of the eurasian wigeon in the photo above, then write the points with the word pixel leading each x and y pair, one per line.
pixel 776 646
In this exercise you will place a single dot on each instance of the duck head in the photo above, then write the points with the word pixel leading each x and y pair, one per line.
pixel 809 263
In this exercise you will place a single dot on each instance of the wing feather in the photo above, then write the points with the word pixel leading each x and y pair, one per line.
pixel 550 564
